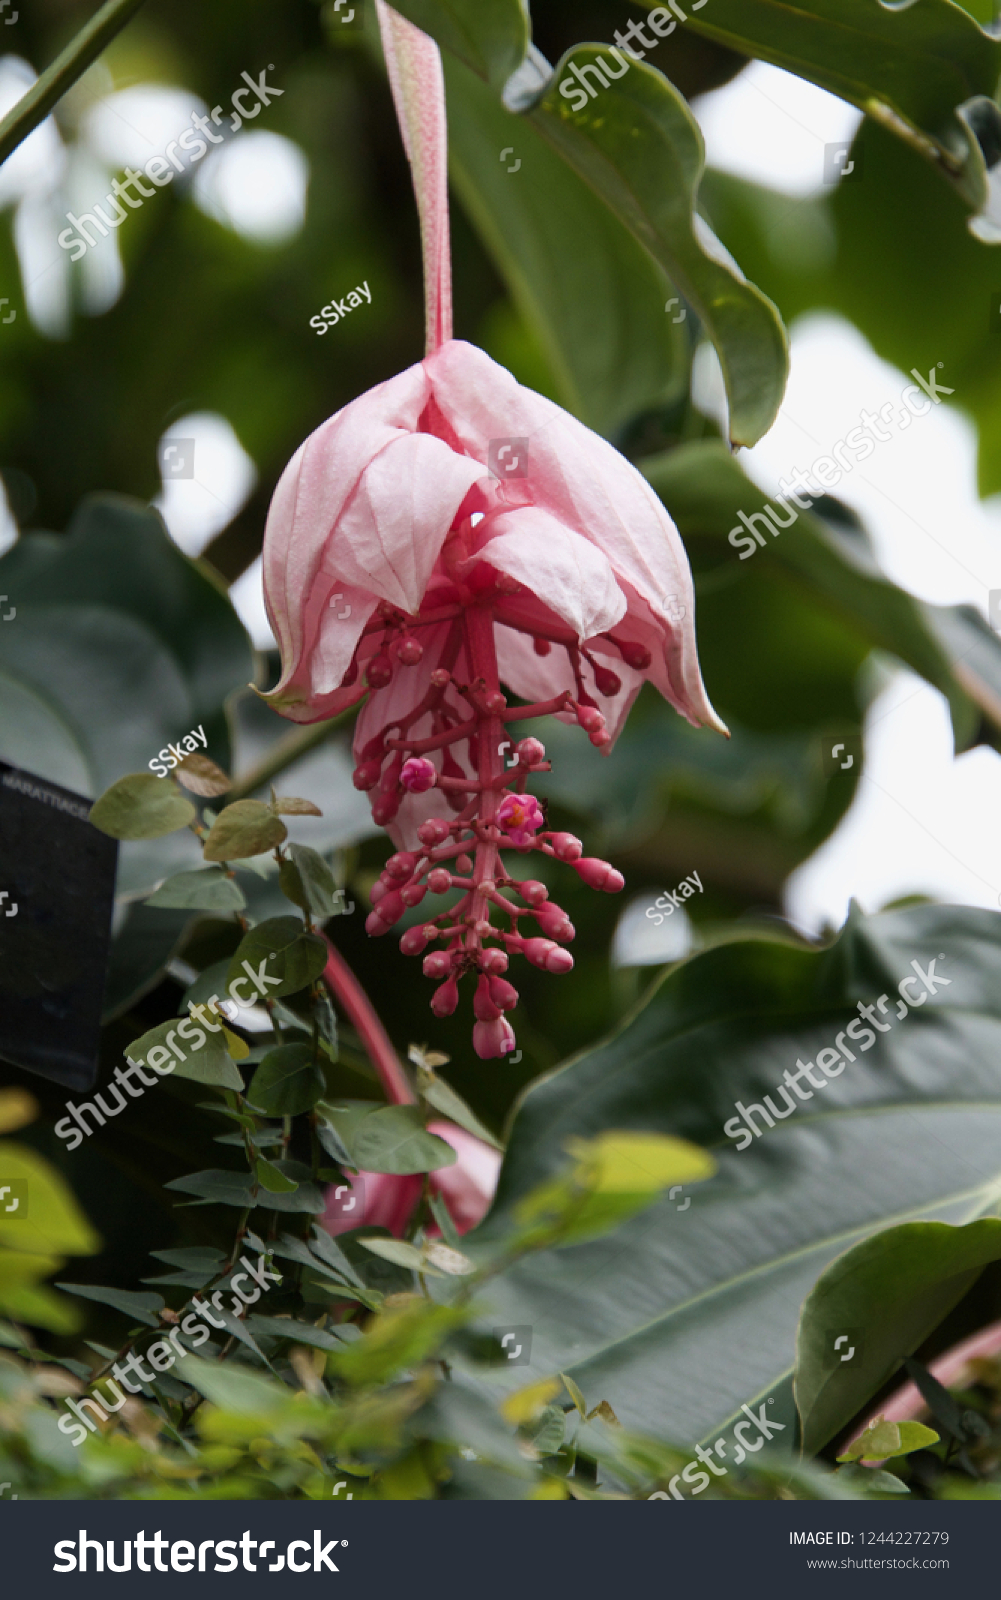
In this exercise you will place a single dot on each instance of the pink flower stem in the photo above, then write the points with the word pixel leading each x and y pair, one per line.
pixel 483 662
pixel 345 988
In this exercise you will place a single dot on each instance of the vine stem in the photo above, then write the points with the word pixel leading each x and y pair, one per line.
pixel 71 64
pixel 378 1046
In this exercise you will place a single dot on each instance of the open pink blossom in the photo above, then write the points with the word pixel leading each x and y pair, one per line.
pixel 447 532
pixel 387 1201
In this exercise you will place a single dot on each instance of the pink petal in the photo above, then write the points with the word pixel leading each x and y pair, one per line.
pixel 570 574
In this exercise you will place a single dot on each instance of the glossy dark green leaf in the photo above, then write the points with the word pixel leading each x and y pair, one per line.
pixel 911 67
pixel 205 890
pixel 563 253
pixel 287 1081
pixel 690 1310
pixel 316 879
pixel 290 1328
pixel 205 1059
pixel 440 1094
pixel 639 148
pixel 282 953
pixel 141 807
pixel 884 1296
pixel 395 1140
pixel 330 1252
pixel 272 1178
pixel 246 828
pixel 491 36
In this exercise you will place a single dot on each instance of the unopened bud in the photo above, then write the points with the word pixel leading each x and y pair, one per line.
pixel 440 679
pixel 389 909
pixel 384 809
pixel 433 832
pixel 548 956
pixel 493 961
pixel 566 847
pixel 439 880
pixel 366 776
pixel 555 924
pixel 606 681
pixel 503 994
pixel 418 775
pixel 414 941
pixel 530 752
pixel 590 719
pixel 463 863
pixel 533 892
pixel 484 1008
pixel 401 865
pixel 377 891
pixel 378 672
pixel 495 703
pixel 601 740
pixel 634 655
pixel 410 652
pixel 493 1039
pixel 599 875
pixel 438 964
pixel 445 999
pixel 413 894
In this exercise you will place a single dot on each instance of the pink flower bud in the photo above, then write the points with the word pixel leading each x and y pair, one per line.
pixel 530 751
pixel 418 775
pixel 503 994
pixel 533 892
pixel 439 880
pixel 388 910
pixel 413 894
pixel 493 961
pixel 445 999
pixel 440 679
pixel 438 964
pixel 384 809
pixel 378 672
pixel 366 776
pixel 493 1039
pixel 401 865
pixel 590 719
pixel 410 652
pixel 374 925
pixel 607 682
pixel 599 875
pixel 434 831
pixel 377 891
pixel 482 929
pixel 484 1008
pixel 414 941
pixel 538 951
pixel 566 847
pixel 555 924
pixel 495 703
pixel 463 863
pixel 601 739
pixel 541 647
pixel 634 655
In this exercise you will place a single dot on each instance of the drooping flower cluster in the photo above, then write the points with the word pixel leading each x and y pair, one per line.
pixel 411 559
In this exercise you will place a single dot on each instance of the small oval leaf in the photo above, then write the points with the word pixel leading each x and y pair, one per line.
pixel 141 806
pixel 246 828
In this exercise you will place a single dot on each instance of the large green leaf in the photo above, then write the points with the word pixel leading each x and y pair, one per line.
pixel 638 146
pixel 950 646
pixel 690 1310
pixel 491 36
pixel 395 1140
pixel 880 1301
pixel 911 67
pixel 564 255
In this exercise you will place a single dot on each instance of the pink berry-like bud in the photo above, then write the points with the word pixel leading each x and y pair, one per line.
pixel 493 961
pixel 590 719
pixel 555 924
pixel 599 875
pixel 566 847
pixel 377 891
pixel 440 679
pixel 401 865
pixel 482 929
pixel 530 752
pixel 533 892
pixel 445 999
pixel 601 740
pixel 366 776
pixel 384 809
pixel 378 672
pixel 541 647
pixel 389 908
pixel 410 652
pixel 438 964
pixel 418 775
pixel 606 681
pixel 413 894
pixel 634 655
pixel 503 994
pixel 493 1039
pixel 495 703
pixel 484 1008
pixel 414 941
pixel 463 863
pixel 433 832
pixel 439 880
pixel 547 955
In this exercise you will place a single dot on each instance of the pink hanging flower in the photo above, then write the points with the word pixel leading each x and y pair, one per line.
pixel 387 1201
pixel 447 532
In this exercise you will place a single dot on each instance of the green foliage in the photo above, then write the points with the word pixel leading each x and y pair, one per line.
pixel 288 1081
pixel 207 890
pixel 141 807
pixel 245 828
pixel 291 959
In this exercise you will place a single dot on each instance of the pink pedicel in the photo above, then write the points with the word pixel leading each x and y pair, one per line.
pixel 409 566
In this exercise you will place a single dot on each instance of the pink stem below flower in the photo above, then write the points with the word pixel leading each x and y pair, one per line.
pixel 378 1046
pixel 416 79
